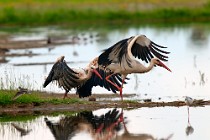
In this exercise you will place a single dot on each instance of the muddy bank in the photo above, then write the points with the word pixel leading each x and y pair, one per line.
pixel 48 108
pixel 8 43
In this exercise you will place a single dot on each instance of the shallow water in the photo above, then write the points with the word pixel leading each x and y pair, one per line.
pixel 157 123
pixel 188 60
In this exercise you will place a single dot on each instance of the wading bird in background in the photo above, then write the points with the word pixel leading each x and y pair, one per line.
pixel 20 92
pixel 189 101
pixel 120 58
pixel 81 79
pixel 189 129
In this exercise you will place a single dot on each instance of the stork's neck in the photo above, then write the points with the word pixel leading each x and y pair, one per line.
pixel 147 69
pixel 130 44
pixel 89 70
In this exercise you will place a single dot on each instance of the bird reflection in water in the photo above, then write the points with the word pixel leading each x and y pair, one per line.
pixel 189 129
pixel 103 127
pixel 96 126
pixel 131 136
pixel 22 131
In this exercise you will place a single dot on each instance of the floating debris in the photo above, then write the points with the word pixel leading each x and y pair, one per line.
pixel 92 99
pixel 147 100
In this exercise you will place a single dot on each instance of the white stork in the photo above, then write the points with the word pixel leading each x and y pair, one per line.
pixel 81 79
pixel 121 57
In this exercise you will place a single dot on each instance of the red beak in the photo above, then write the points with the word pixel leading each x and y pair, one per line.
pixel 163 65
pixel 96 72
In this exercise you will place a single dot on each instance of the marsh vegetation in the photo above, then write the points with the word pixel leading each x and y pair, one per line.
pixel 96 13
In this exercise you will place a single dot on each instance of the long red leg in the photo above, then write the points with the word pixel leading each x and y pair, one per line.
pixel 65 95
pixel 99 129
pixel 122 120
pixel 123 80
pixel 107 79
pixel 119 88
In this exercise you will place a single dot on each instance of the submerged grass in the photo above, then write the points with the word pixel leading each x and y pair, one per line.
pixel 130 101
pixel 28 12
pixel 30 117
pixel 26 118
pixel 35 98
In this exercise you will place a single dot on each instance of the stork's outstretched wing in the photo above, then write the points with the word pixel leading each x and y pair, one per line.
pixel 113 53
pixel 86 89
pixel 104 121
pixel 143 48
pixel 64 75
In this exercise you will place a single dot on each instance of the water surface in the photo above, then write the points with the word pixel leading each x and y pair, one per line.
pixel 157 123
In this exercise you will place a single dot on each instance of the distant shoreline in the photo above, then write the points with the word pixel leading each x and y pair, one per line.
pixel 94 13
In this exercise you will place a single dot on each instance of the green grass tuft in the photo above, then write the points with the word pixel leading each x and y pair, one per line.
pixel 101 12
pixel 31 98
pixel 6 97
pixel 65 101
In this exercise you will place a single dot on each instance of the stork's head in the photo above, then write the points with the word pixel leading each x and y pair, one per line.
pixel 94 62
pixel 93 66
pixel 157 62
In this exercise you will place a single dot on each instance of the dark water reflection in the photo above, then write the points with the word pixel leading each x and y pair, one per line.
pixel 99 127
pixel 103 127
pixel 162 123
pixel 23 131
